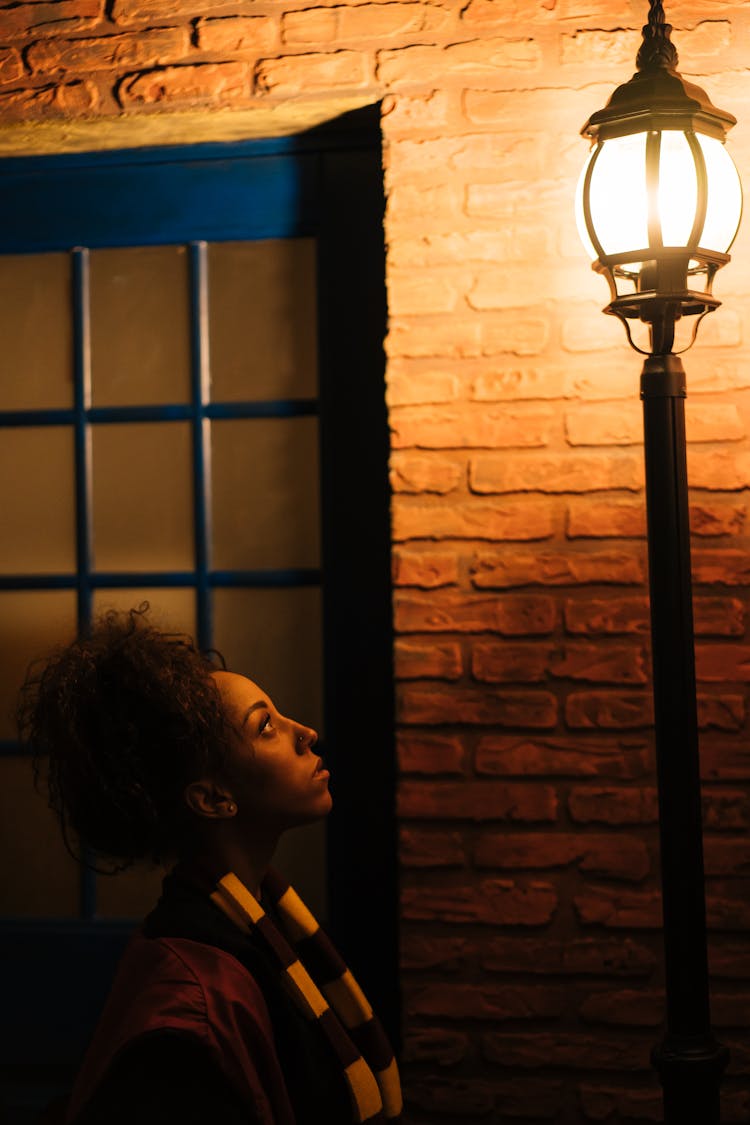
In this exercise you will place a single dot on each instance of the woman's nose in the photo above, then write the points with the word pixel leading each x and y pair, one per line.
pixel 306 738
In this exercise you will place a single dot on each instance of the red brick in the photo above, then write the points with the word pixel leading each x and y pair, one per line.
pixel 11 67
pixel 602 616
pixel 466 427
pixel 514 384
pixel 110 52
pixel 401 114
pixel 719 617
pixel 430 660
pixel 505 519
pixel 509 332
pixel 613 806
pixel 140 11
pixel 722 663
pixel 534 709
pixel 201 84
pixel 71 99
pixel 546 568
pixel 488 1002
pixel 714 517
pixel 727 761
pixel 459 1096
pixel 723 469
pixel 619 909
pixel 727 856
pixel 620 424
pixel 535 472
pixel 721 712
pixel 429 753
pixel 729 959
pixel 515 615
pixel 49 18
pixel 609 857
pixel 545 956
pixel 413 205
pixel 227 34
pixel 419 848
pixel 626 1008
pixel 604 519
pixel 706 421
pixel 600 663
pixel 414 388
pixel 608 710
pixel 477 801
pixel 509 11
pixel 727 809
pixel 523 756
pixel 571 1050
pixel 517 244
pixel 297 74
pixel 730 914
pixel 435 1045
pixel 421 952
pixel 730 1010
pixel 410 473
pixel 603 1102
pixel 472 63
pixel 721 568
pixel 510 663
pixel 365 21
pixel 591 48
pixel 424 569
pixel 492 902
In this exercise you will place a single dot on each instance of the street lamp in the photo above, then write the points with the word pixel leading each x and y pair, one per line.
pixel 658 206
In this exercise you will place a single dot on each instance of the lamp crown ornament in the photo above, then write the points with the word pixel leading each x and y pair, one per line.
pixel 659 200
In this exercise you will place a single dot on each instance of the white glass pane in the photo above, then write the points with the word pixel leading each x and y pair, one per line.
pixel 275 638
pixel 37 500
pixel 262 317
pixel 36 331
pixel 140 325
pixel 143 496
pixel 678 188
pixel 37 875
pixel 170 609
pixel 619 205
pixel 724 196
pixel 265 487
pixel 32 622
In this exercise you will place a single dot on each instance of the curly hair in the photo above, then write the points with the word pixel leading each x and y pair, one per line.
pixel 118 722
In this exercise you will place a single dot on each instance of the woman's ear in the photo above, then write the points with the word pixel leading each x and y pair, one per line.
pixel 205 797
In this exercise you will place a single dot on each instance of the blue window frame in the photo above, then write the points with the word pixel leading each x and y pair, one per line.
pixel 325 183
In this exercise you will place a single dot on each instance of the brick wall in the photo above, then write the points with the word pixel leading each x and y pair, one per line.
pixel 531 945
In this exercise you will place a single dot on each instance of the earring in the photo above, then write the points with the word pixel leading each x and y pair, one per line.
pixel 231 808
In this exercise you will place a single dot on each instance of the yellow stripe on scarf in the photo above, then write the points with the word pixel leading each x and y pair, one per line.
pixel 232 889
pixel 390 1089
pixel 348 1000
pixel 308 991
pixel 365 1091
pixel 299 922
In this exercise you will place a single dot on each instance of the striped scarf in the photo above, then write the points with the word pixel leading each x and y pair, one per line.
pixel 321 985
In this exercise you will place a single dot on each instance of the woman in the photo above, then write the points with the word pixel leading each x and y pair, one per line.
pixel 230 1004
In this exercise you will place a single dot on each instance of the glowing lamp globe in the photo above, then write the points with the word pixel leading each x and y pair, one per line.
pixel 659 199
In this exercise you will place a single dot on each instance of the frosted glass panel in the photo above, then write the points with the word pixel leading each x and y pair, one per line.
pixel 262 317
pixel 130 894
pixel 37 500
pixel 170 609
pixel 36 331
pixel 31 623
pixel 265 486
pixel 140 325
pixel 37 875
pixel 274 637
pixel 143 496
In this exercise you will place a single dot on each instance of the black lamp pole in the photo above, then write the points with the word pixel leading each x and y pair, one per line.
pixel 658 285
pixel 689 1060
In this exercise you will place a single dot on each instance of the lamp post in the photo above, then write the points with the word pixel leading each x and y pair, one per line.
pixel 658 206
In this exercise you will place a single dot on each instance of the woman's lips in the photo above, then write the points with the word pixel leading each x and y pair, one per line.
pixel 320 773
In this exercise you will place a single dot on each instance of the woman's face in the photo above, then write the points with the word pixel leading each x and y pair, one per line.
pixel 277 779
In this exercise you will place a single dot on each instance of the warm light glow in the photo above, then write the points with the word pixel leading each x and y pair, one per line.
pixel 617 195
pixel 724 197
pixel 677 193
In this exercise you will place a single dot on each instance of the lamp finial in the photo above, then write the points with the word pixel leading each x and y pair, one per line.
pixel 657 49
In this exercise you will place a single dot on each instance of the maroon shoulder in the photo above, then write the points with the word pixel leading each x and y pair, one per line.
pixel 177 985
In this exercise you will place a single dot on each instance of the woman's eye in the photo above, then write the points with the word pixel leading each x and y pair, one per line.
pixel 265 723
